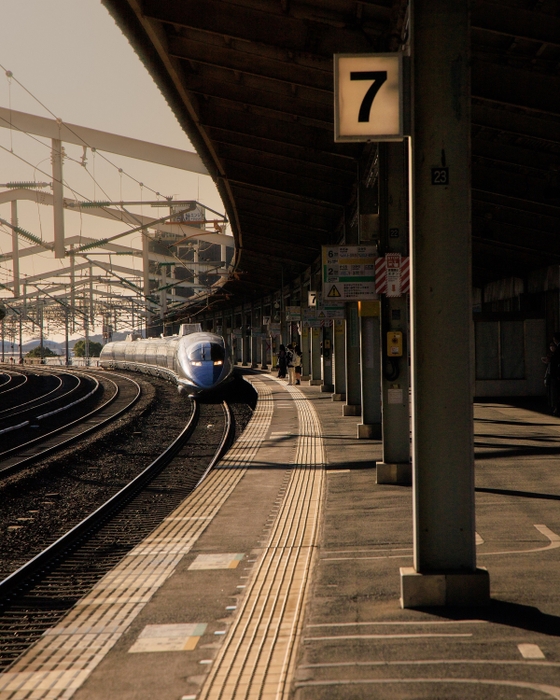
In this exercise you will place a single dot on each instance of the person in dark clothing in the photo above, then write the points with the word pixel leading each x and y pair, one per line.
pixel 297 363
pixel 282 362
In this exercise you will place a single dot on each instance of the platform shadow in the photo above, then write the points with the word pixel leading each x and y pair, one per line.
pixel 516 451
pixel 502 612
pixel 523 494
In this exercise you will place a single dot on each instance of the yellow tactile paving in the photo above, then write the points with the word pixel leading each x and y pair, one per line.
pixel 256 657
pixel 90 629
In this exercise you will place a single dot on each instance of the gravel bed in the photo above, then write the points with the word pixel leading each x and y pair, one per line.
pixel 44 501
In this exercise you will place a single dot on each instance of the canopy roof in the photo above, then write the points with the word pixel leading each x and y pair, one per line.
pixel 252 83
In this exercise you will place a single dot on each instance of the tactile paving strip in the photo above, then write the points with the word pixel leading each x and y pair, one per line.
pixel 63 658
pixel 256 659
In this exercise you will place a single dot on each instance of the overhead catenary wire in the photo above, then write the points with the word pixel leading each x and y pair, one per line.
pixel 11 77
pixel 83 162
pixel 140 228
pixel 86 145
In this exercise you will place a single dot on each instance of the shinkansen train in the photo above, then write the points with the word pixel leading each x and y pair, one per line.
pixel 196 361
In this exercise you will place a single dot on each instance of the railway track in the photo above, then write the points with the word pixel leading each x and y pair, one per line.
pixel 59 426
pixel 11 380
pixel 36 596
pixel 59 390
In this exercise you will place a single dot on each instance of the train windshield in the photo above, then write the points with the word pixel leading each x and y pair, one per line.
pixel 207 352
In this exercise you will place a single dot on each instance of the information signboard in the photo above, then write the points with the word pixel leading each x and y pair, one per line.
pixel 293 313
pixel 189 212
pixel 393 263
pixel 309 318
pixel 348 273
pixel 368 94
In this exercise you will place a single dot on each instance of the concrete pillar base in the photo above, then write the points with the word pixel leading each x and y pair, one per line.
pixel 339 397
pixel 394 473
pixel 255 365
pixel 264 366
pixel 327 388
pixel 305 377
pixel 352 410
pixel 315 382
pixel 426 590
pixel 369 431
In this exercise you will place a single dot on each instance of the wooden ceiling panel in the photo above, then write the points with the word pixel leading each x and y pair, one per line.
pixel 311 31
pixel 242 57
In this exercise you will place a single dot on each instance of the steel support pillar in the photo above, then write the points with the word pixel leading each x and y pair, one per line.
pixel 163 293
pixel 327 386
pixel 245 348
pixel 66 338
pixel 444 571
pixel 315 357
pixel 91 306
pixel 254 351
pixel 58 198
pixel 21 338
pixel 370 374
pixel 72 286
pixel 264 346
pixel 254 340
pixel 339 359
pixel 146 277
pixel 196 268
pixel 395 467
pixel 305 353
pixel 15 250
pixel 352 407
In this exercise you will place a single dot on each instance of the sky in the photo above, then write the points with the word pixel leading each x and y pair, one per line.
pixel 74 62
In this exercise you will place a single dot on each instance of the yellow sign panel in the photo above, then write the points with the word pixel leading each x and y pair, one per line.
pixel 369 308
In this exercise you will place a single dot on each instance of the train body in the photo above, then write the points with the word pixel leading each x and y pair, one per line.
pixel 196 361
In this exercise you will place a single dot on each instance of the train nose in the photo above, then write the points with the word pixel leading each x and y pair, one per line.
pixel 207 374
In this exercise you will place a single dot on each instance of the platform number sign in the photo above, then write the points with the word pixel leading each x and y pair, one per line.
pixel 368 93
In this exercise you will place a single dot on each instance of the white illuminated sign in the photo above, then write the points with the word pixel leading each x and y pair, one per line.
pixel 368 104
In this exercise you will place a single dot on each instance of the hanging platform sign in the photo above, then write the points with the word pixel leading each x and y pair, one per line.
pixel 348 273
pixel 331 308
pixel 293 313
pixel 368 97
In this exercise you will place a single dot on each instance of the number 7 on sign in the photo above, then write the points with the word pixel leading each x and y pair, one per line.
pixel 378 77
pixel 368 97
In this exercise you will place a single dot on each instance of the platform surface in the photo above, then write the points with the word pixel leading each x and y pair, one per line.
pixel 279 577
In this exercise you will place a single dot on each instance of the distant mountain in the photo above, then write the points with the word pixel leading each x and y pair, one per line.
pixel 59 348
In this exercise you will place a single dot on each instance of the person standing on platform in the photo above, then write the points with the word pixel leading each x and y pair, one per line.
pixel 282 362
pixel 290 363
pixel 297 363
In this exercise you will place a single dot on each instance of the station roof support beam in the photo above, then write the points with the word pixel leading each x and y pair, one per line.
pixel 102 141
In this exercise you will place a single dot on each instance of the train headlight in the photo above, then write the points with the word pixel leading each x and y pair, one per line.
pixel 196 364
pixel 218 362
